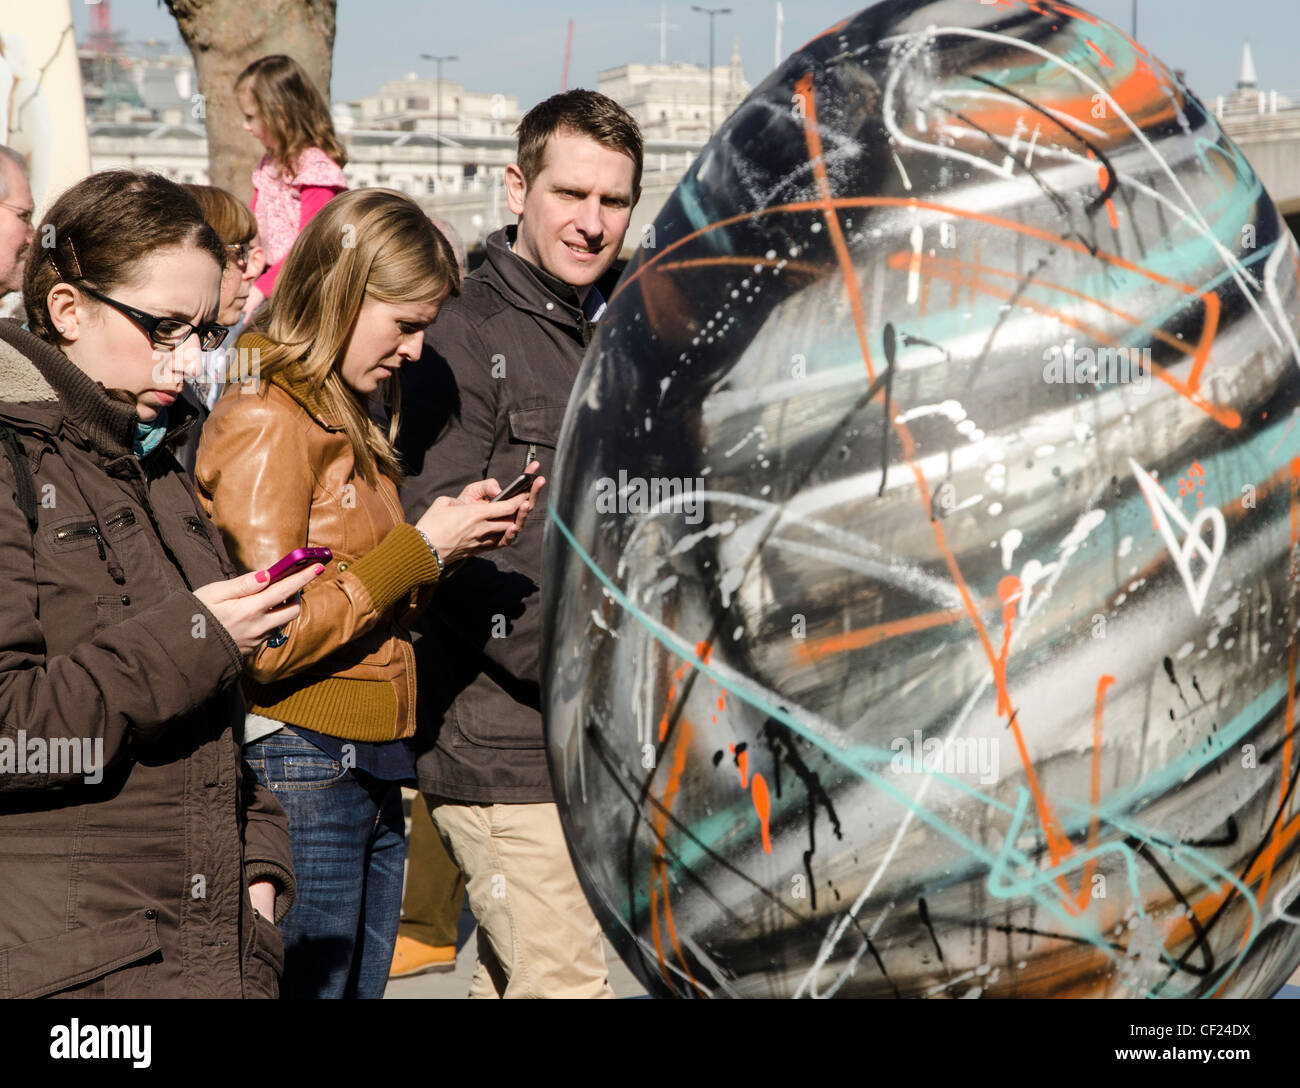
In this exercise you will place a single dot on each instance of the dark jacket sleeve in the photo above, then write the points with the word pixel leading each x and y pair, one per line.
pixel 449 398
pixel 131 679
pixel 267 854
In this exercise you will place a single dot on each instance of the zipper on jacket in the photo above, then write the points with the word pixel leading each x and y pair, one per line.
pixel 195 526
pixel 88 530
pixel 122 517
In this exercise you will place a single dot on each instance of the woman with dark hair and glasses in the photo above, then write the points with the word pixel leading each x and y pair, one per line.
pixel 141 858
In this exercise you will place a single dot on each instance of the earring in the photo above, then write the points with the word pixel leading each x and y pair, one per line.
pixel 60 328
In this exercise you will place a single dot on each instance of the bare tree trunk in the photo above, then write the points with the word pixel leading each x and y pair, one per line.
pixel 224 37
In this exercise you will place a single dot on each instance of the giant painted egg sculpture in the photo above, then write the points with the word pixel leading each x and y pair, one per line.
pixel 921 584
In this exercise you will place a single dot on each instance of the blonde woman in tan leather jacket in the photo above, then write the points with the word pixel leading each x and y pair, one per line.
pixel 290 458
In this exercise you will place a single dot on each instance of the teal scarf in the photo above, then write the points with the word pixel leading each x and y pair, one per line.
pixel 149 436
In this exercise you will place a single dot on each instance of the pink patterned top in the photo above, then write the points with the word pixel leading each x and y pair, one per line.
pixel 284 206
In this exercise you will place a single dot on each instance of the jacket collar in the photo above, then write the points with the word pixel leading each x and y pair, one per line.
pixel 308 398
pixel 302 392
pixel 527 287
pixel 41 387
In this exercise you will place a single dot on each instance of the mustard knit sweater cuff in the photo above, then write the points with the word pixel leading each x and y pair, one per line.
pixel 390 571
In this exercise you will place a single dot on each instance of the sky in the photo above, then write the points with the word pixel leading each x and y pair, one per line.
pixel 517 46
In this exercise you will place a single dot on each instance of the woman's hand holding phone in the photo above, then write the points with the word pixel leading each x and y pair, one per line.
pixel 251 606
pixel 476 521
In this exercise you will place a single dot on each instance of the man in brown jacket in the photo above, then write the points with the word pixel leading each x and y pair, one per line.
pixel 487 398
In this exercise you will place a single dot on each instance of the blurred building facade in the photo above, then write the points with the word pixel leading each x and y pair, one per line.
pixel 413 103
pixel 140 81
pixel 671 101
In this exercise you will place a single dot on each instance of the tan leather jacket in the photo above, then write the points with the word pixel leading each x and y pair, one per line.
pixel 276 472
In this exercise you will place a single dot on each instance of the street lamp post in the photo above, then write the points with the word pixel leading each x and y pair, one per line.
pixel 711 12
pixel 437 119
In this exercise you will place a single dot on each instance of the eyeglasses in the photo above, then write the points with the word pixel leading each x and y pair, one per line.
pixel 167 332
pixel 239 254
pixel 25 214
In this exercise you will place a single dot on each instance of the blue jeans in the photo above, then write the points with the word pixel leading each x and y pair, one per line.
pixel 348 840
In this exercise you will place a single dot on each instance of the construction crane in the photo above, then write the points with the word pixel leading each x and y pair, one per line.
pixel 101 24
pixel 104 64
pixel 568 54
pixel 103 41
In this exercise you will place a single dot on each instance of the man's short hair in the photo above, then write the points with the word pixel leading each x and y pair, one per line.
pixel 19 162
pixel 585 113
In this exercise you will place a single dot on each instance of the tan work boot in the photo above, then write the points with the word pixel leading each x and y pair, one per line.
pixel 412 957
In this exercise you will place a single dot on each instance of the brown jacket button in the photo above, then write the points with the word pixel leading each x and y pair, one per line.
pixel 343 565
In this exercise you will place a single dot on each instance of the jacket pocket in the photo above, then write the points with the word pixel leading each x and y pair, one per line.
pixel 268 943
pixel 76 533
pixel 110 609
pixel 195 528
pixel 368 657
pixel 538 426
pixel 45 966
pixel 121 522
pixel 285 761
pixel 495 720
pixel 262 957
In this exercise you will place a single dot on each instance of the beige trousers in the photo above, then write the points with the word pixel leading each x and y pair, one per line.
pixel 537 937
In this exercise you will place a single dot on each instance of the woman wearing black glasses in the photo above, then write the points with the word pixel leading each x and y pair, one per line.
pixel 139 856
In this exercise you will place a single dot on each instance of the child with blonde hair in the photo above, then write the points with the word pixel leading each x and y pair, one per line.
pixel 303 165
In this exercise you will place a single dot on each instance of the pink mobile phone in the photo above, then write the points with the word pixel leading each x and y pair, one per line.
pixel 296 560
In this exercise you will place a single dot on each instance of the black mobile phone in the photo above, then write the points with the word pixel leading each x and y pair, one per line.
pixel 519 484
